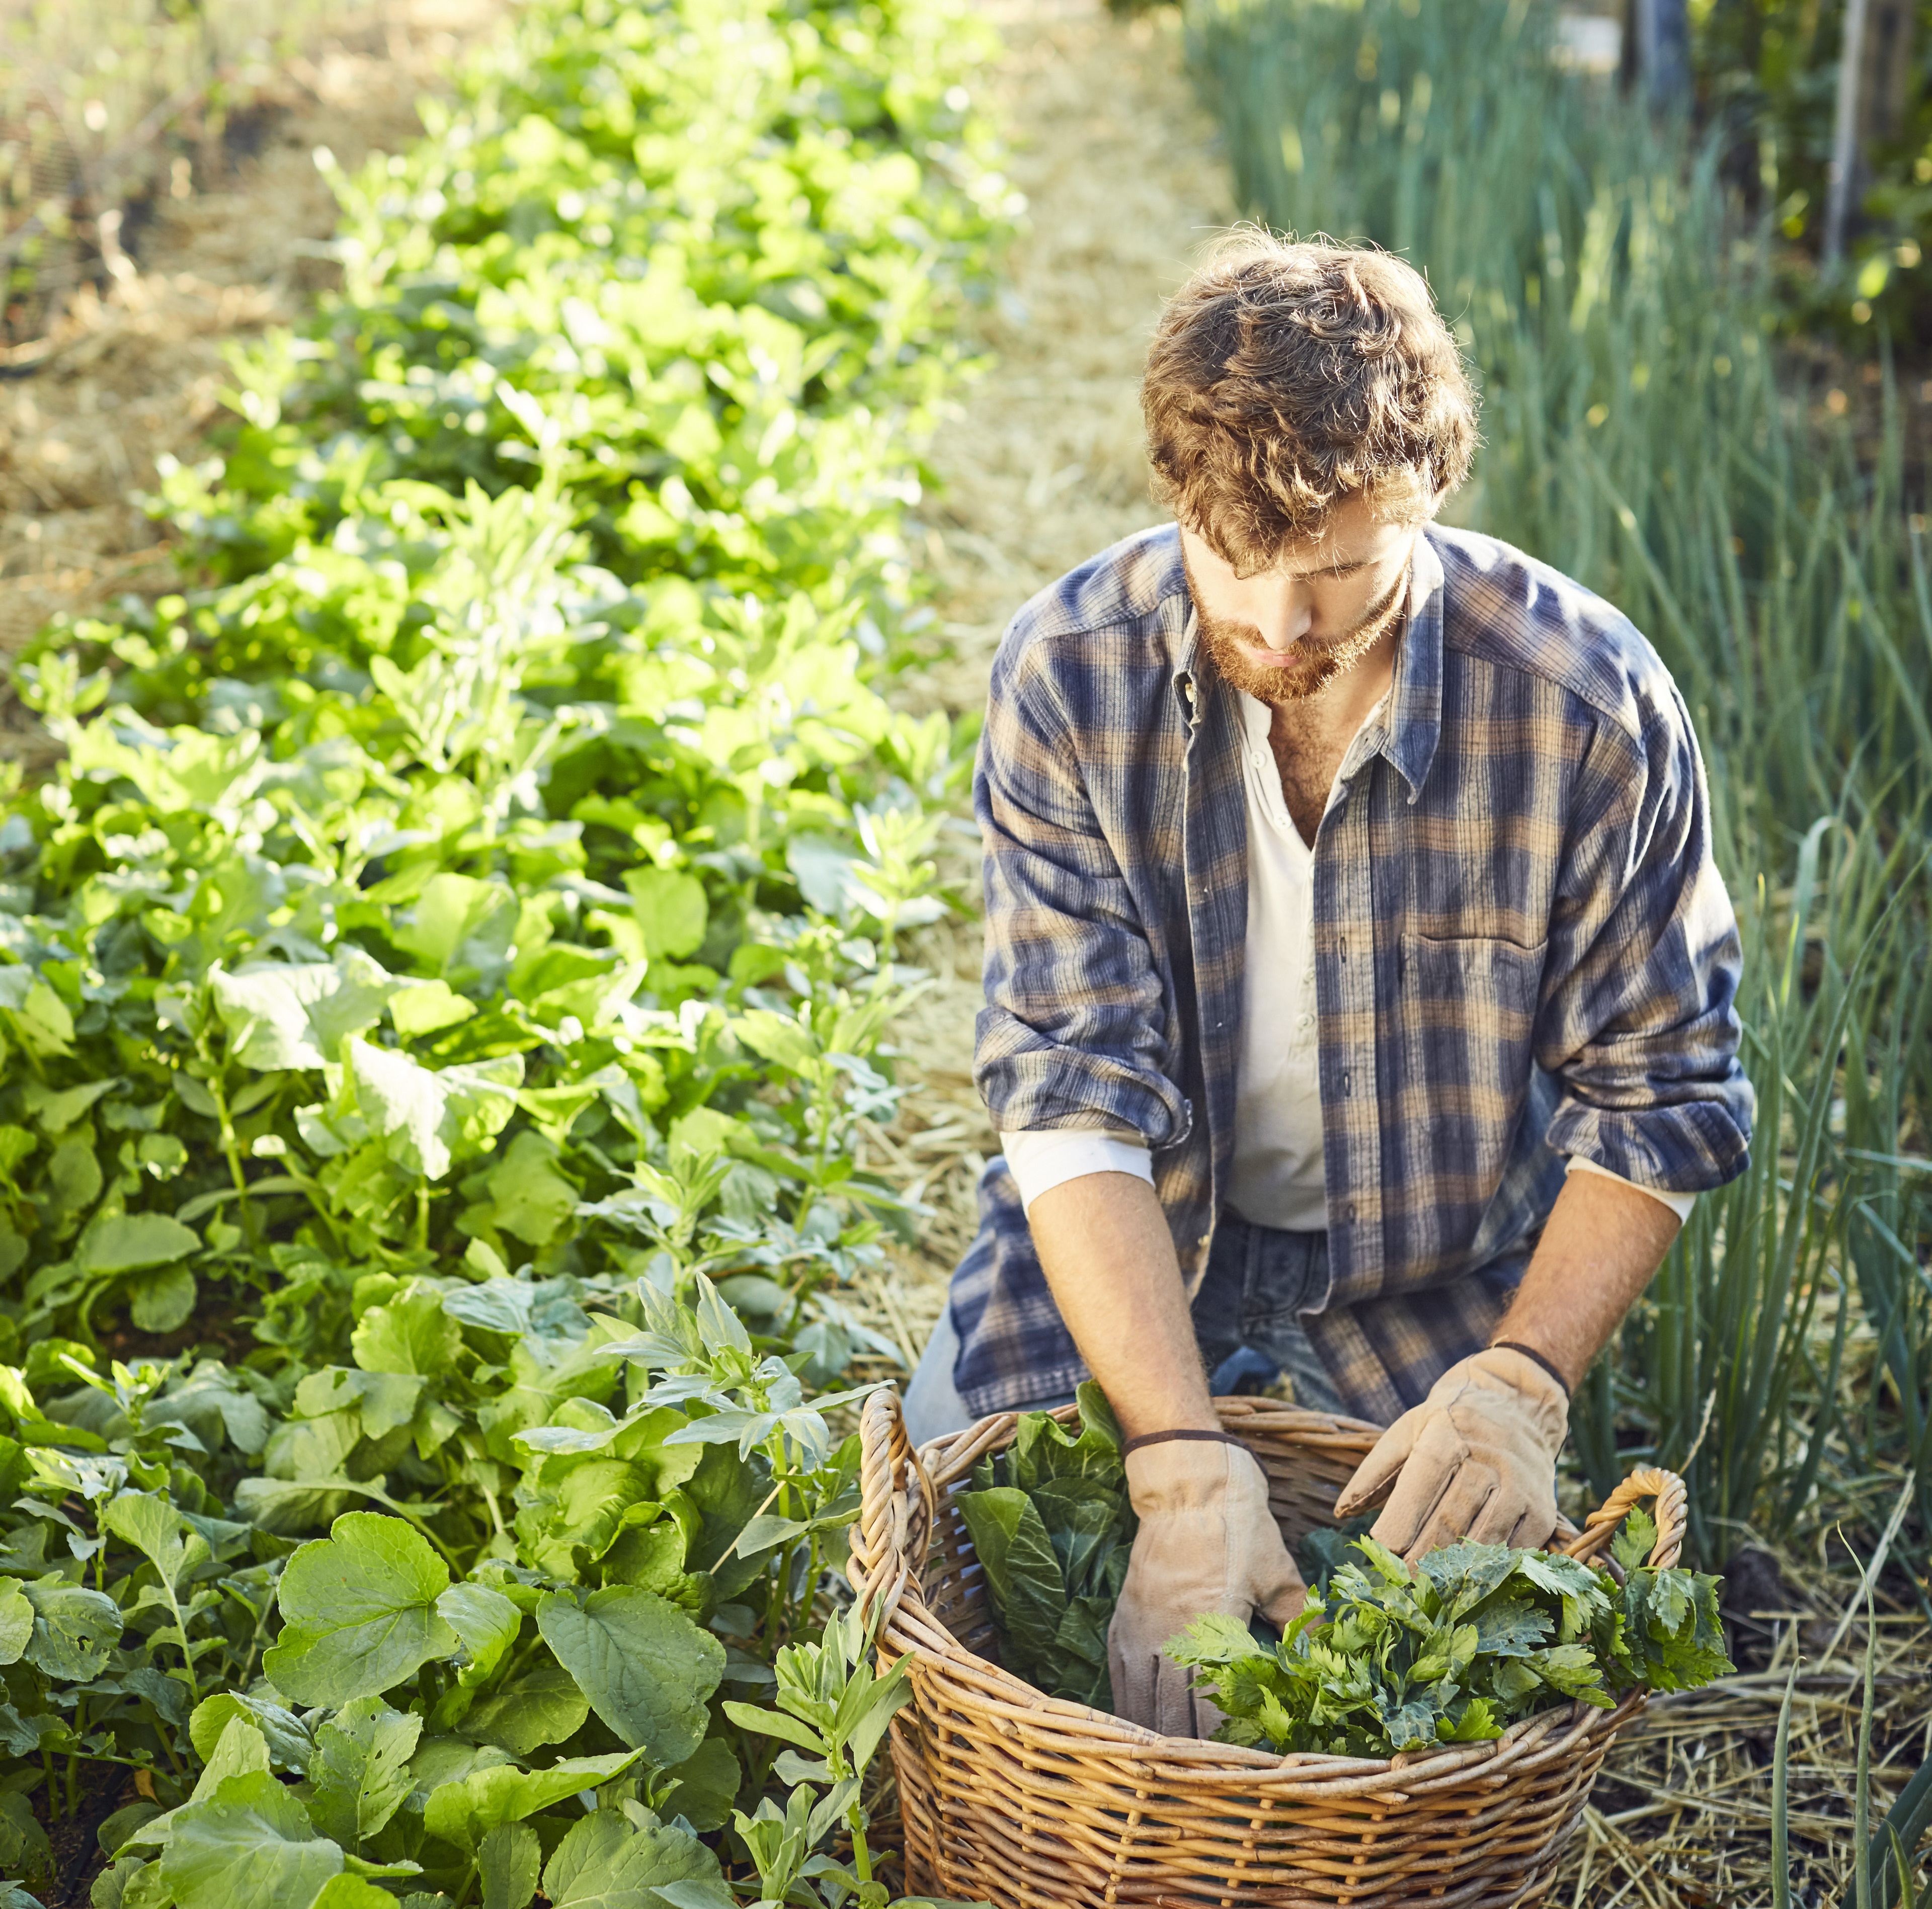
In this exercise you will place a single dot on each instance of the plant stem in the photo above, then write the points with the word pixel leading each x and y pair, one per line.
pixel 861 1854
pixel 231 1151
pixel 1780 1793
pixel 180 1632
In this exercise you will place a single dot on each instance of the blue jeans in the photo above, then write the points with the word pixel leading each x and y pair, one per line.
pixel 1246 1321
pixel 1247 1314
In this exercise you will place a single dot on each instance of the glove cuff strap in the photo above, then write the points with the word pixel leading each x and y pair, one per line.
pixel 1529 1352
pixel 1163 1437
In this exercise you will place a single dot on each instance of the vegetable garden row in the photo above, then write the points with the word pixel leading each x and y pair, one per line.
pixel 441 986
pixel 462 928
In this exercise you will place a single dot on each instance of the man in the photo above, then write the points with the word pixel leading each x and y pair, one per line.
pixel 1359 984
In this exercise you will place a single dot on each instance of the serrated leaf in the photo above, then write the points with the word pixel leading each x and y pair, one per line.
pixel 360 1776
pixel 510 1859
pixel 158 1532
pixel 1632 1545
pixel 543 1706
pixel 409 1335
pixel 532 1200
pixel 75 1629
pixel 606 1862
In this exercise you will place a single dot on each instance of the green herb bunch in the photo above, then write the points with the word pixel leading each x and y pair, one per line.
pixel 1051 1527
pixel 1454 1650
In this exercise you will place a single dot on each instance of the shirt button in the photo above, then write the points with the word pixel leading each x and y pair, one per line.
pixel 1351 1209
pixel 1346 1077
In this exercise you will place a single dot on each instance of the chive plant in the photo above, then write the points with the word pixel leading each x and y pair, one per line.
pixel 1643 433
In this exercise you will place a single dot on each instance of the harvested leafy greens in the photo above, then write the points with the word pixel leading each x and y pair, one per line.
pixel 1393 1658
pixel 1051 1527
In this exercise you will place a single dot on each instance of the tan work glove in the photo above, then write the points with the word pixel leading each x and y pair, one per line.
pixel 1476 1459
pixel 1207 1542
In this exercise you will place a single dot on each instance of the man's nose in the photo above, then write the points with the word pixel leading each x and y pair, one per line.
pixel 1287 614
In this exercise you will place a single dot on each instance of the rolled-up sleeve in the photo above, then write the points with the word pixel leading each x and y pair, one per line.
pixel 1638 1020
pixel 1073 1033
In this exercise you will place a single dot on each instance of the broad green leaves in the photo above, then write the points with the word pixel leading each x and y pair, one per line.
pixel 543 1706
pixel 486 1621
pixel 605 1861
pixel 646 1669
pixel 359 1612
pixel 250 1846
pixel 425 1114
pixel 1051 1526
pixel 297 1014
pixel 411 1335
pixel 127 1242
pixel 464 1811
pixel 360 1772
pixel 380 956
pixel 510 1858
pixel 74 1628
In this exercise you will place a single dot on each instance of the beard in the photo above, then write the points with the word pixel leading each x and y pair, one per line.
pixel 1319 660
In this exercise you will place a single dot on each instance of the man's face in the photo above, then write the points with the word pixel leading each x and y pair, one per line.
pixel 1286 633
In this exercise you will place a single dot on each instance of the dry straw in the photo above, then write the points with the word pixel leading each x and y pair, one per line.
pixel 1020 1799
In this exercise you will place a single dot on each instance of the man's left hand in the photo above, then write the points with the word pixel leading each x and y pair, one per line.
pixel 1477 1459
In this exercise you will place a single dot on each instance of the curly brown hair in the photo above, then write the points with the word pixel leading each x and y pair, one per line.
pixel 1285 377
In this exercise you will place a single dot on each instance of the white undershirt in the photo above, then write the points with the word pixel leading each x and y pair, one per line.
pixel 1276 1178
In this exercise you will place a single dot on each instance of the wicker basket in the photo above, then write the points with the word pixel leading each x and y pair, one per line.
pixel 1020 1799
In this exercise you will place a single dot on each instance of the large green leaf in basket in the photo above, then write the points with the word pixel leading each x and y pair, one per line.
pixel 1029 1595
pixel 1052 1526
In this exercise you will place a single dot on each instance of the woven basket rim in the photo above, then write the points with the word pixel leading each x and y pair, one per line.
pixel 885 1571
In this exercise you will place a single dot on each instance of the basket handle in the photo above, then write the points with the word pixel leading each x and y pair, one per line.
pixel 888 1539
pixel 1650 1482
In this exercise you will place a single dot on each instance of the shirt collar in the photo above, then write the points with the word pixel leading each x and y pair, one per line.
pixel 1409 718
pixel 1414 709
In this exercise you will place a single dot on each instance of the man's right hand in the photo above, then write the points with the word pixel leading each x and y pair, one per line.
pixel 1207 1542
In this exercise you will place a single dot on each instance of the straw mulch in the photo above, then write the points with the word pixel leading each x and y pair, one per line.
pixel 1040 465
pixel 1682 1815
pixel 131 370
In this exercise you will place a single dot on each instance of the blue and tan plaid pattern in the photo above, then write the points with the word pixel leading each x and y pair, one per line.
pixel 1523 949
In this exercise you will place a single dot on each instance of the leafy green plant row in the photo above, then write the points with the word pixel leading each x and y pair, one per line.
pixel 441 987
pixel 1641 433
pixel 663 1501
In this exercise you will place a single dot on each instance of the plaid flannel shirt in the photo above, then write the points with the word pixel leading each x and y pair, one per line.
pixel 1523 948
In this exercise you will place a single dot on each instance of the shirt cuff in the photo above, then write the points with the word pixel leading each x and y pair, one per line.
pixel 1679 1203
pixel 1048 1157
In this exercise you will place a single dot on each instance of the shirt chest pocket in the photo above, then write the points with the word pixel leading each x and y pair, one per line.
pixel 1492 983
pixel 1467 1014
